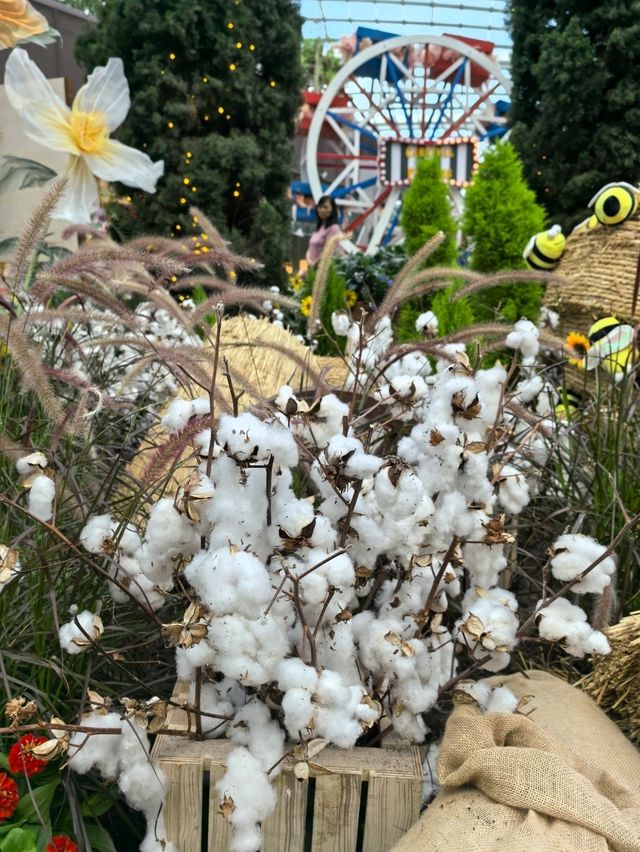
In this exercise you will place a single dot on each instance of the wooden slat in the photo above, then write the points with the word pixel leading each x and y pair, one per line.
pixel 284 831
pixel 219 828
pixel 183 795
pixel 393 805
pixel 336 807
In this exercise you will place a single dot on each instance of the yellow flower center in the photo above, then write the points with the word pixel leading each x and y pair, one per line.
pixel 89 130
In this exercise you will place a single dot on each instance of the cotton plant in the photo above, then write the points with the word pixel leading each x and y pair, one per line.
pixel 343 558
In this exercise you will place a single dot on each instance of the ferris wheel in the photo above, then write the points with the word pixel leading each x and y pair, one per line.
pixel 397 99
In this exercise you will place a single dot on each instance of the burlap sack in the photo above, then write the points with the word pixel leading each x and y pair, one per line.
pixel 561 779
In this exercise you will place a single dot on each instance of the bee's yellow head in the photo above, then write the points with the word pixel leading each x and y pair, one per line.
pixel 615 203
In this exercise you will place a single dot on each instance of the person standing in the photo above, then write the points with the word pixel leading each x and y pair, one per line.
pixel 326 227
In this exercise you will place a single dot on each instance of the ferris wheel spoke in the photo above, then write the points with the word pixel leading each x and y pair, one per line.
pixel 449 98
pixel 374 105
pixel 340 178
pixel 457 124
pixel 335 119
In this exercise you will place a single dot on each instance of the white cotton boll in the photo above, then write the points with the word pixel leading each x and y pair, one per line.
pixel 573 554
pixel 501 700
pixel 41 496
pixel 284 395
pixel 96 533
pixel 293 672
pixel 254 728
pixel 341 323
pixel 525 338
pixel 293 516
pixel 409 727
pixel 31 463
pixel 513 490
pixel 178 414
pixel 197 656
pixel 427 323
pixel 212 701
pixel 339 572
pixel 331 688
pixel 230 582
pixel 338 727
pixel 298 710
pixel 169 532
pixel 548 317
pixel 528 389
pixel 245 437
pixel 98 751
pixel 142 785
pixel 477 689
pixel 248 785
pixel 73 640
pixel 561 621
pixel 446 355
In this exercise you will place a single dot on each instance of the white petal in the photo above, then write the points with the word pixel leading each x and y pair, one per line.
pixel 45 116
pixel 106 91
pixel 80 197
pixel 127 165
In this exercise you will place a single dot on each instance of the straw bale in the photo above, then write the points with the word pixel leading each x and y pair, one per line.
pixel 601 266
pixel 614 682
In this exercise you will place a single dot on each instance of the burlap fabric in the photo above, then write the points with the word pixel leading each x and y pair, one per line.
pixel 561 779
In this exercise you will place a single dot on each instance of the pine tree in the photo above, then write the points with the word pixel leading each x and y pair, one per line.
pixel 500 216
pixel 215 88
pixel 576 98
pixel 426 209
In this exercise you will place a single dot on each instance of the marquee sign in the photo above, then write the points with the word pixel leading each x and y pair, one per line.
pixel 398 159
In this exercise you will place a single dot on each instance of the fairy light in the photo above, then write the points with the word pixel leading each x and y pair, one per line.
pixel 230 25
pixel 205 79
pixel 170 125
pixel 236 194
pixel 183 200
pixel 252 47
pixel 228 117
pixel 172 56
pixel 239 45
pixel 273 84
pixel 194 189
pixel 206 117
pixel 232 66
pixel 221 110
pixel 188 155
pixel 186 181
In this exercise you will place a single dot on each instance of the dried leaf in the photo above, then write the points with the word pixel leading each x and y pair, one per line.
pixel 475 447
pixel 301 770
pixel 435 437
pixel 97 703
pixel 309 749
pixel 393 638
pixel 227 807
pixel 8 562
pixel 474 626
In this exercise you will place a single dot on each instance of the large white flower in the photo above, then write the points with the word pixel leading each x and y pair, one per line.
pixel 83 131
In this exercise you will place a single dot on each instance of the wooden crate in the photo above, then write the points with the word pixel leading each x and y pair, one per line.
pixel 357 800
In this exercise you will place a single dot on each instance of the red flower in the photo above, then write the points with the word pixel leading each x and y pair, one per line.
pixel 21 761
pixel 8 796
pixel 61 843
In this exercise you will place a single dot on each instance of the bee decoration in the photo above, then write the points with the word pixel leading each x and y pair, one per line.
pixel 544 250
pixel 611 347
pixel 614 203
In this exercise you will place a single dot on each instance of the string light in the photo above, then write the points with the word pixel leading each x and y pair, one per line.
pixel 252 47
pixel 221 110
pixel 172 56
pixel 188 154
pixel 206 118
pixel 239 45
pixel 186 181
pixel 194 189
pixel 273 84
pixel 230 25
pixel 170 125
pixel 236 193
pixel 205 79
pixel 232 67
pixel 183 200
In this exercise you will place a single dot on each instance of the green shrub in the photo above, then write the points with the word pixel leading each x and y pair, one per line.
pixel 500 216
pixel 426 209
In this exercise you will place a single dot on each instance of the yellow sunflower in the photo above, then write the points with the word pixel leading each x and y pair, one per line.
pixel 296 282
pixel 305 306
pixel 351 298
pixel 577 347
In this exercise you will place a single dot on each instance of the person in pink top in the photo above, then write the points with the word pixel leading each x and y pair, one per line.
pixel 326 227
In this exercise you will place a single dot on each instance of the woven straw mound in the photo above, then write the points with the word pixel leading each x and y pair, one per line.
pixel 262 357
pixel 601 265
pixel 615 680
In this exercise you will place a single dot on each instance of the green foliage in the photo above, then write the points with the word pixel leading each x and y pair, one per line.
pixel 576 91
pixel 318 63
pixel 237 125
pixel 333 299
pixel 452 316
pixel 500 216
pixel 426 209
pixel 370 276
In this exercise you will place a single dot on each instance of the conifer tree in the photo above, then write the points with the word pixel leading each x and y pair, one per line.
pixel 500 215
pixel 426 209
pixel 576 98
pixel 215 88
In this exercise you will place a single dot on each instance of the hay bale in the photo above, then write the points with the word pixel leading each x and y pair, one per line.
pixel 601 266
pixel 614 682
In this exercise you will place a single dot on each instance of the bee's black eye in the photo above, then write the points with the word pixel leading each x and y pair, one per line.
pixel 615 204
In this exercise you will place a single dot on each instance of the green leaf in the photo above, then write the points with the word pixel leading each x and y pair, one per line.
pixel 19 840
pixel 7 244
pixel 20 173
pixel 40 797
pixel 100 839
pixel 97 804
pixel 4 760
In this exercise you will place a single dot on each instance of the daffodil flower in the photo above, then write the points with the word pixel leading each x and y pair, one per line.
pixel 20 23
pixel 82 132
